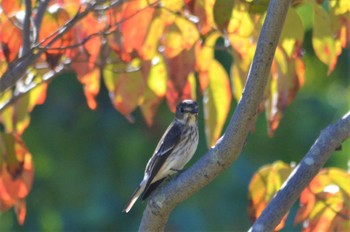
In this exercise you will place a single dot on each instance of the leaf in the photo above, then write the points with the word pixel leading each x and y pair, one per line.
pixel 55 17
pixel 125 89
pixel 11 7
pixel 91 83
pixel 340 7
pixel 222 13
pixel 264 185
pixel 204 57
pixel 10 38
pixel 217 101
pixel 203 9
pixel 157 77
pixel 150 46
pixel 324 204
pixel 16 174
pixel 179 68
pixel 322 38
pixel 135 21
pixel 292 32
pixel 173 44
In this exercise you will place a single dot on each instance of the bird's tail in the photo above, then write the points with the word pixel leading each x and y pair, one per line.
pixel 135 196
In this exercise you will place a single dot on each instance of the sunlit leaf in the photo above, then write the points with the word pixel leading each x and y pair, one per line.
pixel 91 83
pixel 150 46
pixel 10 7
pixel 189 32
pixel 54 18
pixel 10 38
pixel 204 57
pixel 217 102
pixel 340 7
pixel 292 32
pixel 241 22
pixel 322 38
pixel 264 185
pixel 324 204
pixel 173 44
pixel 157 76
pixel 136 18
pixel 126 87
pixel 173 5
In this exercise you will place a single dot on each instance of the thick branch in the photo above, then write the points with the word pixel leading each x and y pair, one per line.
pixel 329 139
pixel 227 149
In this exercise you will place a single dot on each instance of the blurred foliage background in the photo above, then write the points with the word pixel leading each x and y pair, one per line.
pixel 87 163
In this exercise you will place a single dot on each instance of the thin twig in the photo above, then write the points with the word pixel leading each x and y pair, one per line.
pixel 39 17
pixel 26 27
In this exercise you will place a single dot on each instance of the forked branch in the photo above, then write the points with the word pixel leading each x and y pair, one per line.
pixel 228 148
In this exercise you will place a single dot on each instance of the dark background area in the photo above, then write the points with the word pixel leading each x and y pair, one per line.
pixel 88 163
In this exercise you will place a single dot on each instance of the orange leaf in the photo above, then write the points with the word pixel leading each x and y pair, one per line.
pixel 324 203
pixel 10 7
pixel 16 174
pixel 264 185
pixel 136 19
pixel 217 102
pixel 91 83
pixel 10 38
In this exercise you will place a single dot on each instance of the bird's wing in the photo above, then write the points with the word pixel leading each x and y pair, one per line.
pixel 166 145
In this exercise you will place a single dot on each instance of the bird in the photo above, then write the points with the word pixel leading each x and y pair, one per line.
pixel 176 147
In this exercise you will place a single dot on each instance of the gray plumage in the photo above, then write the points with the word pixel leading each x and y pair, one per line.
pixel 174 150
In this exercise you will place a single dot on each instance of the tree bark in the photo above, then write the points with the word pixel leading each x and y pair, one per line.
pixel 229 146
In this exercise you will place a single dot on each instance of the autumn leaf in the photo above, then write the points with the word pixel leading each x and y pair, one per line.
pixel 324 204
pixel 126 86
pixel 264 185
pixel 10 38
pixel 217 102
pixel 322 38
pixel 16 174
pixel 203 9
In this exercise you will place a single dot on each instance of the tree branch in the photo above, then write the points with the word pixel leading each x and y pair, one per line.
pixel 26 45
pixel 39 17
pixel 227 149
pixel 329 139
pixel 17 69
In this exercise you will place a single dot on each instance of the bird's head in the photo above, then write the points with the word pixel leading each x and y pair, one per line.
pixel 187 111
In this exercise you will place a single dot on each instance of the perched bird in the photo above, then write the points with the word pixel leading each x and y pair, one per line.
pixel 174 150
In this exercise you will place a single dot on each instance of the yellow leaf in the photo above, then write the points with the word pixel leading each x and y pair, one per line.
pixel 157 76
pixel 149 105
pixel 173 5
pixel 322 38
pixel 217 101
pixel 188 30
pixel 292 33
pixel 173 42
pixel 264 185
pixel 150 46
pixel 340 7
pixel 205 53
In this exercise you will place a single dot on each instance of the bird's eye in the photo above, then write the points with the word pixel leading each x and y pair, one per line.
pixel 182 110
